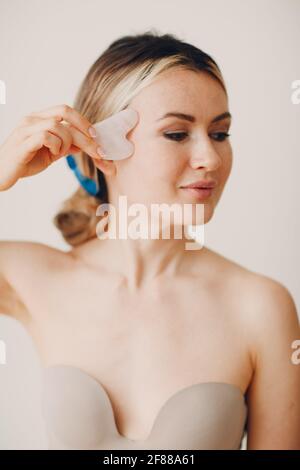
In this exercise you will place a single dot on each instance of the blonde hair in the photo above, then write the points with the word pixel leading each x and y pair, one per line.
pixel 127 66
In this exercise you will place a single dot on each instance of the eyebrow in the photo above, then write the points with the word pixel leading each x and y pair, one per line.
pixel 189 117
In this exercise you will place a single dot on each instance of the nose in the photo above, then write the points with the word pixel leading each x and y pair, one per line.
pixel 205 155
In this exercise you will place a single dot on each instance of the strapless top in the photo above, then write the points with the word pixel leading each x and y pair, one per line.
pixel 78 415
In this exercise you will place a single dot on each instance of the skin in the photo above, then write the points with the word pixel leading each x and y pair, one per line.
pixel 138 301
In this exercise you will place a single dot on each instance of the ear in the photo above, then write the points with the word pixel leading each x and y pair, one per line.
pixel 108 167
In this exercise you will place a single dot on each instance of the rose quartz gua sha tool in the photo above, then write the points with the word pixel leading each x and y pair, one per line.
pixel 111 134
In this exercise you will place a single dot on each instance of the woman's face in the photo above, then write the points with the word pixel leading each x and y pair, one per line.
pixel 197 150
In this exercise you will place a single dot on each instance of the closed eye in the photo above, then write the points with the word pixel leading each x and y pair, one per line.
pixel 220 136
pixel 180 136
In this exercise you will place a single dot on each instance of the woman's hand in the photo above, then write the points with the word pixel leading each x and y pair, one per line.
pixel 40 139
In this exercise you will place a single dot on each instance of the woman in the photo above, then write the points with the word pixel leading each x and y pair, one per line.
pixel 145 343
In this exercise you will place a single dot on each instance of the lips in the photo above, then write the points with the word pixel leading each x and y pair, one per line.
pixel 199 193
pixel 204 184
pixel 201 190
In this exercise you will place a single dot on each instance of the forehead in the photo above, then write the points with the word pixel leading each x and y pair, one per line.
pixel 186 91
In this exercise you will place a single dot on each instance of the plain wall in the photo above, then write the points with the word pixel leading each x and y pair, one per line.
pixel 47 47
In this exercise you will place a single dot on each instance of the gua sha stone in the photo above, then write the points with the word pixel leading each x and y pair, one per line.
pixel 111 134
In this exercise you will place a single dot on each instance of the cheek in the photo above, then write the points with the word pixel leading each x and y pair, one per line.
pixel 229 163
pixel 157 163
pixel 226 165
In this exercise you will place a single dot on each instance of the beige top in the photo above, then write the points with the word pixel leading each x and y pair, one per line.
pixel 79 415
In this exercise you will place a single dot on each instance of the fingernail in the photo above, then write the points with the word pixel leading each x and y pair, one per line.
pixel 92 132
pixel 100 152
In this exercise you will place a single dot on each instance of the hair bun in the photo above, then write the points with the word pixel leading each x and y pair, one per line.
pixel 77 218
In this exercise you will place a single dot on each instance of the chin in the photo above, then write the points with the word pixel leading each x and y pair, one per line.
pixel 209 210
pixel 205 216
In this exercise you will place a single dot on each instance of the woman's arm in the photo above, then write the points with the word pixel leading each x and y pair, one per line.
pixel 274 394
pixel 10 303
pixel 39 139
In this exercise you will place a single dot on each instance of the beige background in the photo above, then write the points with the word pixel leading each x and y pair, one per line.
pixel 46 48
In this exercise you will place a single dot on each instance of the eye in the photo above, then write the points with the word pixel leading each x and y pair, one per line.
pixel 220 136
pixel 176 136
pixel 179 136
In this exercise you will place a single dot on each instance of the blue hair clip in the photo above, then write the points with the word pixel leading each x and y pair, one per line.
pixel 87 183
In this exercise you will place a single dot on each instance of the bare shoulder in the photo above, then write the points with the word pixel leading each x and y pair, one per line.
pixel 266 306
pixel 19 257
pixel 268 316
pixel 22 263
pixel 272 318
pixel 257 289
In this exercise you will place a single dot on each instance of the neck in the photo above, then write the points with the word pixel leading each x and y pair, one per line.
pixel 142 260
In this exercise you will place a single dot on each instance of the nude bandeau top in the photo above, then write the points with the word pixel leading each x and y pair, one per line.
pixel 78 415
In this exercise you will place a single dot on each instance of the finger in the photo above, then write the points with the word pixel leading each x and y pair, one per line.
pixel 30 119
pixel 38 140
pixel 68 134
pixel 31 125
pixel 65 135
pixel 74 149
pixel 53 126
pixel 68 114
pixel 84 143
